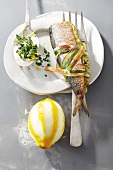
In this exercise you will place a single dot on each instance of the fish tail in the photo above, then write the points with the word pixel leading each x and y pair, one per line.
pixel 84 106
pixel 80 103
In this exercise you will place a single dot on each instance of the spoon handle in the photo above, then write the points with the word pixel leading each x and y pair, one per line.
pixel 75 132
pixel 27 13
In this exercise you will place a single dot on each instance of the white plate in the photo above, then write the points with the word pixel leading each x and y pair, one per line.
pixel 34 80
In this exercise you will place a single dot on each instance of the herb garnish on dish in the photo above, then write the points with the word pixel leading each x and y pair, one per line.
pixel 28 50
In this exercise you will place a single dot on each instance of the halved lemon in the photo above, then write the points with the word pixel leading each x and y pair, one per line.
pixel 46 122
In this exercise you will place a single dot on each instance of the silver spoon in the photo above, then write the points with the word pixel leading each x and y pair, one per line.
pixel 25 31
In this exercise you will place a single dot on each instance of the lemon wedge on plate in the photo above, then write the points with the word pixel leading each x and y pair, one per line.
pixel 46 123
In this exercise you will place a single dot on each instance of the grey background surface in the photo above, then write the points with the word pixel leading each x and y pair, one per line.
pixel 96 152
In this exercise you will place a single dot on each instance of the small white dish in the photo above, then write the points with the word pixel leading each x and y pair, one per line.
pixel 19 61
pixel 34 80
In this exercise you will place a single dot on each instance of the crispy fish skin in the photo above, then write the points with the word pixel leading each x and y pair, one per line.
pixel 61 34
pixel 77 84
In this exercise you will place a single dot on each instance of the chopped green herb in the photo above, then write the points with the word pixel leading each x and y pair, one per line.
pixel 47 55
pixel 18 37
pixel 47 60
pixel 48 65
pixel 56 52
pixel 45 51
pixel 38 64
